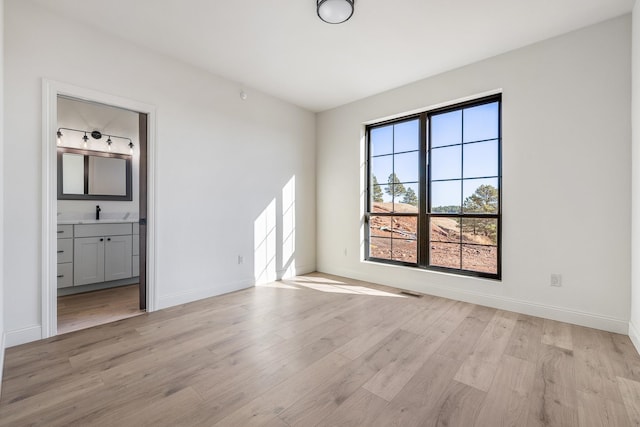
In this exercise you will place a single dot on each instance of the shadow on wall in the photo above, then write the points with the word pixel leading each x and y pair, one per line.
pixel 274 253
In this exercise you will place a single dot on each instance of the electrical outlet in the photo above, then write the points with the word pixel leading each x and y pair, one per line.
pixel 240 259
pixel 556 280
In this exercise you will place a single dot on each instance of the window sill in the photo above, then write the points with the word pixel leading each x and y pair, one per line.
pixel 462 275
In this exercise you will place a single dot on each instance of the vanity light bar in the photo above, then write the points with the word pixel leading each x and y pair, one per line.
pixel 95 135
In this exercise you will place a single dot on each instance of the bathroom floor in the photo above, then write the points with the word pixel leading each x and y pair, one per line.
pixel 89 309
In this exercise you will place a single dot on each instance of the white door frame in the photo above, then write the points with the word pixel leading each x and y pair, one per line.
pixel 50 91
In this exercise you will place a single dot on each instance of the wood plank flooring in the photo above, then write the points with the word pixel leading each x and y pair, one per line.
pixel 327 351
pixel 89 309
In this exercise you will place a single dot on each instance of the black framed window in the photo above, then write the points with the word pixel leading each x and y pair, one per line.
pixel 434 184
pixel 394 182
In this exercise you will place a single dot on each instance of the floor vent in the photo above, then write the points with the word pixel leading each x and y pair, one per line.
pixel 411 294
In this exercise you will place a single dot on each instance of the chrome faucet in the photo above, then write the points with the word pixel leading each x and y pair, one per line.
pixel 98 212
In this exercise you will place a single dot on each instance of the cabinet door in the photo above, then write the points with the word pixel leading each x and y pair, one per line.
pixel 88 260
pixel 117 257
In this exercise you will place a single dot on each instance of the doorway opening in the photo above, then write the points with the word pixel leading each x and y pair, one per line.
pixel 100 213
pixel 146 224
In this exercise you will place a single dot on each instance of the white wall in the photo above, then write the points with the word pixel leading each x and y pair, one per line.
pixel 566 178
pixel 76 114
pixel 221 161
pixel 634 323
pixel 2 309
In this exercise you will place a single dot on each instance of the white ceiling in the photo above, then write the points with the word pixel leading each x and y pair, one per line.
pixel 90 116
pixel 282 48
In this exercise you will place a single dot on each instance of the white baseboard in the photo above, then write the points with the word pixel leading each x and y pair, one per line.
pixel 170 300
pixel 24 335
pixel 305 269
pixel 3 339
pixel 560 314
pixel 297 271
pixel 634 334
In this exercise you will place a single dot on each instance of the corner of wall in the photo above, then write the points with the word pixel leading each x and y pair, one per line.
pixel 634 322
pixel 2 347
pixel 2 333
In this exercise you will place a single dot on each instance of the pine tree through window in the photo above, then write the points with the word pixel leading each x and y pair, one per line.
pixel 434 189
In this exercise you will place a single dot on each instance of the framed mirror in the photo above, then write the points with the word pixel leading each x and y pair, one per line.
pixel 93 175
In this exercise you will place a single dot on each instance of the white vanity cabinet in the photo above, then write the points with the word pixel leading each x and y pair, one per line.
pixel 102 252
pixel 65 256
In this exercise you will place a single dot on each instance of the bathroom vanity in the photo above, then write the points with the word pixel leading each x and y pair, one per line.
pixel 97 252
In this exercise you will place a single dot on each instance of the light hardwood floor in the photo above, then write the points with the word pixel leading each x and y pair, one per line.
pixel 89 309
pixel 322 350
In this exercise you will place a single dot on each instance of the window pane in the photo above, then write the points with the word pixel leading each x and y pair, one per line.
pixel 406 136
pixel 397 192
pixel 446 129
pixel 405 227
pixel 381 169
pixel 481 196
pixel 445 255
pixel 380 226
pixel 381 140
pixel 445 196
pixel 381 201
pixel 481 122
pixel 380 248
pixel 405 250
pixel 445 230
pixel 406 166
pixel 481 159
pixel 446 162
pixel 407 202
pixel 483 231
pixel 480 258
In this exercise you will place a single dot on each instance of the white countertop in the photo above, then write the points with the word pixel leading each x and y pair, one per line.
pixel 95 221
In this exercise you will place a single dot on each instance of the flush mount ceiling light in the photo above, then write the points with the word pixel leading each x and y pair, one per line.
pixel 335 11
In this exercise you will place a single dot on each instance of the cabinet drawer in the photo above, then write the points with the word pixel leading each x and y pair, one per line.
pixel 65 231
pixel 65 250
pixel 95 230
pixel 65 275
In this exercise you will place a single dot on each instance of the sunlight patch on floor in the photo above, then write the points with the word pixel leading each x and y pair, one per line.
pixel 333 286
pixel 280 285
pixel 323 284
pixel 349 289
